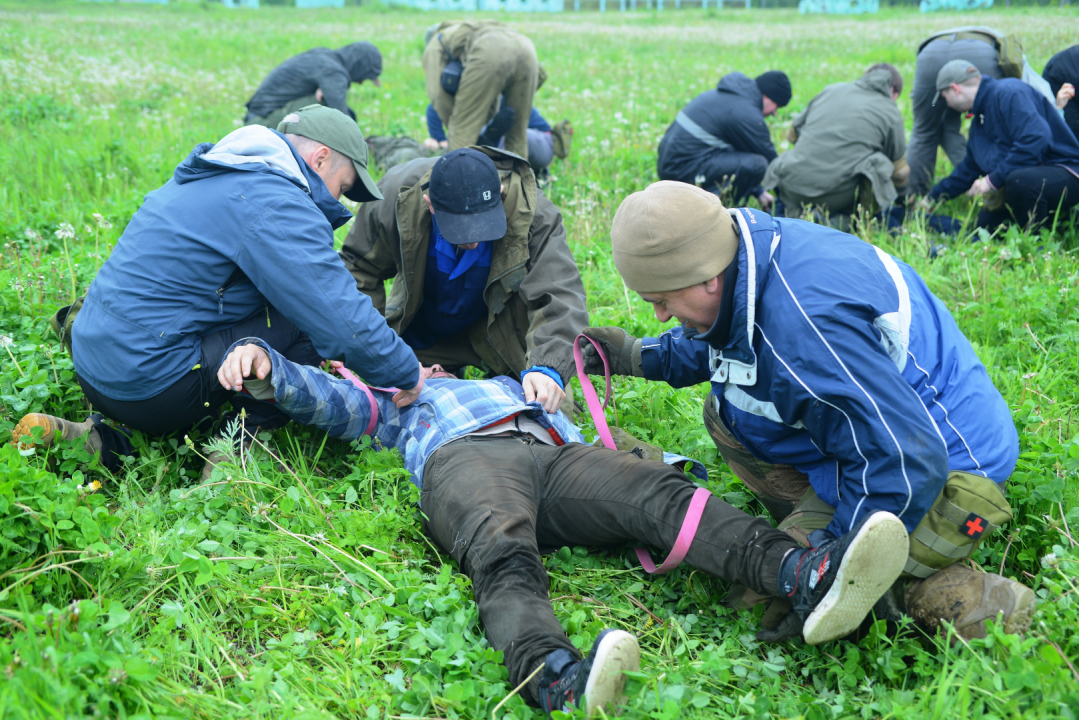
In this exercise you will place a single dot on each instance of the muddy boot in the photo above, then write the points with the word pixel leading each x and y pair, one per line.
pixel 53 429
pixel 967 598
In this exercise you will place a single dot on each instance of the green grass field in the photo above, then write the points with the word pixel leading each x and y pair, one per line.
pixel 312 592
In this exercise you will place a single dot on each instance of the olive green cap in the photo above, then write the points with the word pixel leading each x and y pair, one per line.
pixel 339 132
pixel 956 72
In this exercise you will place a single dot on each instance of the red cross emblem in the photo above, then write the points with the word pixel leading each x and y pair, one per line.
pixel 974 525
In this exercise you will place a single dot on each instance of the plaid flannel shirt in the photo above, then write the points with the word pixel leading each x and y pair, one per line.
pixel 447 409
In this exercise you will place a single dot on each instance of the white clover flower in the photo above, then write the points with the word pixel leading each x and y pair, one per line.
pixel 1050 560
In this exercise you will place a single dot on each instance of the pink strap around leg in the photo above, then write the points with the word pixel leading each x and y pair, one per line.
pixel 700 497
pixel 685 537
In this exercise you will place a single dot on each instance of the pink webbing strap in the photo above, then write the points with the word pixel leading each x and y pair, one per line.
pixel 351 377
pixel 700 498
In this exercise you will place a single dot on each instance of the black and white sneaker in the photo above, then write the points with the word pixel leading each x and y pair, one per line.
pixel 835 584
pixel 595 682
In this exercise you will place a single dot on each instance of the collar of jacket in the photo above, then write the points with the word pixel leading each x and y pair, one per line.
pixel 509 256
pixel 743 86
pixel 878 81
pixel 261 150
pixel 988 86
pixel 735 361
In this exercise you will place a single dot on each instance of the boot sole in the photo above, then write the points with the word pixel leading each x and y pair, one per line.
pixel 26 425
pixel 873 561
pixel 618 651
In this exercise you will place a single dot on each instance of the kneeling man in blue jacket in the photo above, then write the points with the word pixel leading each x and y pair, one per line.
pixel 238 243
pixel 840 387
pixel 1022 158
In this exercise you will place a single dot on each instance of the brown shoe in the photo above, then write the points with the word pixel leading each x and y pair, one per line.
pixel 967 598
pixel 53 429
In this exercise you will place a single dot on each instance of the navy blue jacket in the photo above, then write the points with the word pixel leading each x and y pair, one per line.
pixel 837 359
pixel 732 112
pixel 241 225
pixel 1014 127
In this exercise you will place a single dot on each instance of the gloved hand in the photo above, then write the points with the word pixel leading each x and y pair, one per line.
pixel 622 349
pixel 779 623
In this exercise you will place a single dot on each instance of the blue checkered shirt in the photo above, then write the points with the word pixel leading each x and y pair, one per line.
pixel 447 409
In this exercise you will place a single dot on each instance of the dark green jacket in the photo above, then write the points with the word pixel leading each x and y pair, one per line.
pixel 848 129
pixel 534 294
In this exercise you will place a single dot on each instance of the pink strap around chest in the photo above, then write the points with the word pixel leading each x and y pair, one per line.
pixel 700 498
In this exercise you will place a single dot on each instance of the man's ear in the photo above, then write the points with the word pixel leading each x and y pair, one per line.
pixel 429 206
pixel 712 285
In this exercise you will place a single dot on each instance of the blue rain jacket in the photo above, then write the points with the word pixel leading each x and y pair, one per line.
pixel 1014 127
pixel 241 225
pixel 839 361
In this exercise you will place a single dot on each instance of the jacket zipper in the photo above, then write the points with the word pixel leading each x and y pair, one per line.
pixel 221 301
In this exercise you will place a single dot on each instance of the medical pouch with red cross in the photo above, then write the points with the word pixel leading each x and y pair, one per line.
pixel 968 510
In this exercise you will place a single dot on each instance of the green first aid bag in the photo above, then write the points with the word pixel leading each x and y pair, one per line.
pixel 64 318
pixel 968 509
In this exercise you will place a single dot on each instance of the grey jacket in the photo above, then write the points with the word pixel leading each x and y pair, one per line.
pixel 534 294
pixel 848 129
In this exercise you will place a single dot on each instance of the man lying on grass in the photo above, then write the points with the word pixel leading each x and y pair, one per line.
pixel 501 481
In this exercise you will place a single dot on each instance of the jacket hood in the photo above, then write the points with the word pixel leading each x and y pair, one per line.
pixel 877 81
pixel 258 149
pixel 738 84
pixel 362 60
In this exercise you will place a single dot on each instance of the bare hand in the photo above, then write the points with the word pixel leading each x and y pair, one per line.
pixel 404 398
pixel 1066 93
pixel 980 187
pixel 544 390
pixel 430 144
pixel 766 199
pixel 240 363
pixel 318 96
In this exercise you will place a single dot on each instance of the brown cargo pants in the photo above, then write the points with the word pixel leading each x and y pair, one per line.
pixel 499 63
pixel 496 502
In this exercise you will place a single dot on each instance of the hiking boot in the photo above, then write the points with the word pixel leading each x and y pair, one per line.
pixel 967 598
pixel 834 583
pixel 53 429
pixel 216 457
pixel 595 682
pixel 500 125
pixel 562 138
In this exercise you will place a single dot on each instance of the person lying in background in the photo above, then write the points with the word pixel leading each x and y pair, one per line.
pixel 502 480
pixel 544 142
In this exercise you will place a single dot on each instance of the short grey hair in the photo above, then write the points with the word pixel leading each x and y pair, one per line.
pixel 305 145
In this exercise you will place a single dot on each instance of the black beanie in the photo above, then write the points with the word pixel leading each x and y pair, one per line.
pixel 776 85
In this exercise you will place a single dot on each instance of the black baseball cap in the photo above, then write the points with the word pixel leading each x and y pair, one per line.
pixel 466 194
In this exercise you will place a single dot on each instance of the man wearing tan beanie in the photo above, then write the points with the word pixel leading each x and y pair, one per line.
pixel 841 389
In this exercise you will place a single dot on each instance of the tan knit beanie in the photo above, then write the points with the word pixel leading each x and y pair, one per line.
pixel 670 236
